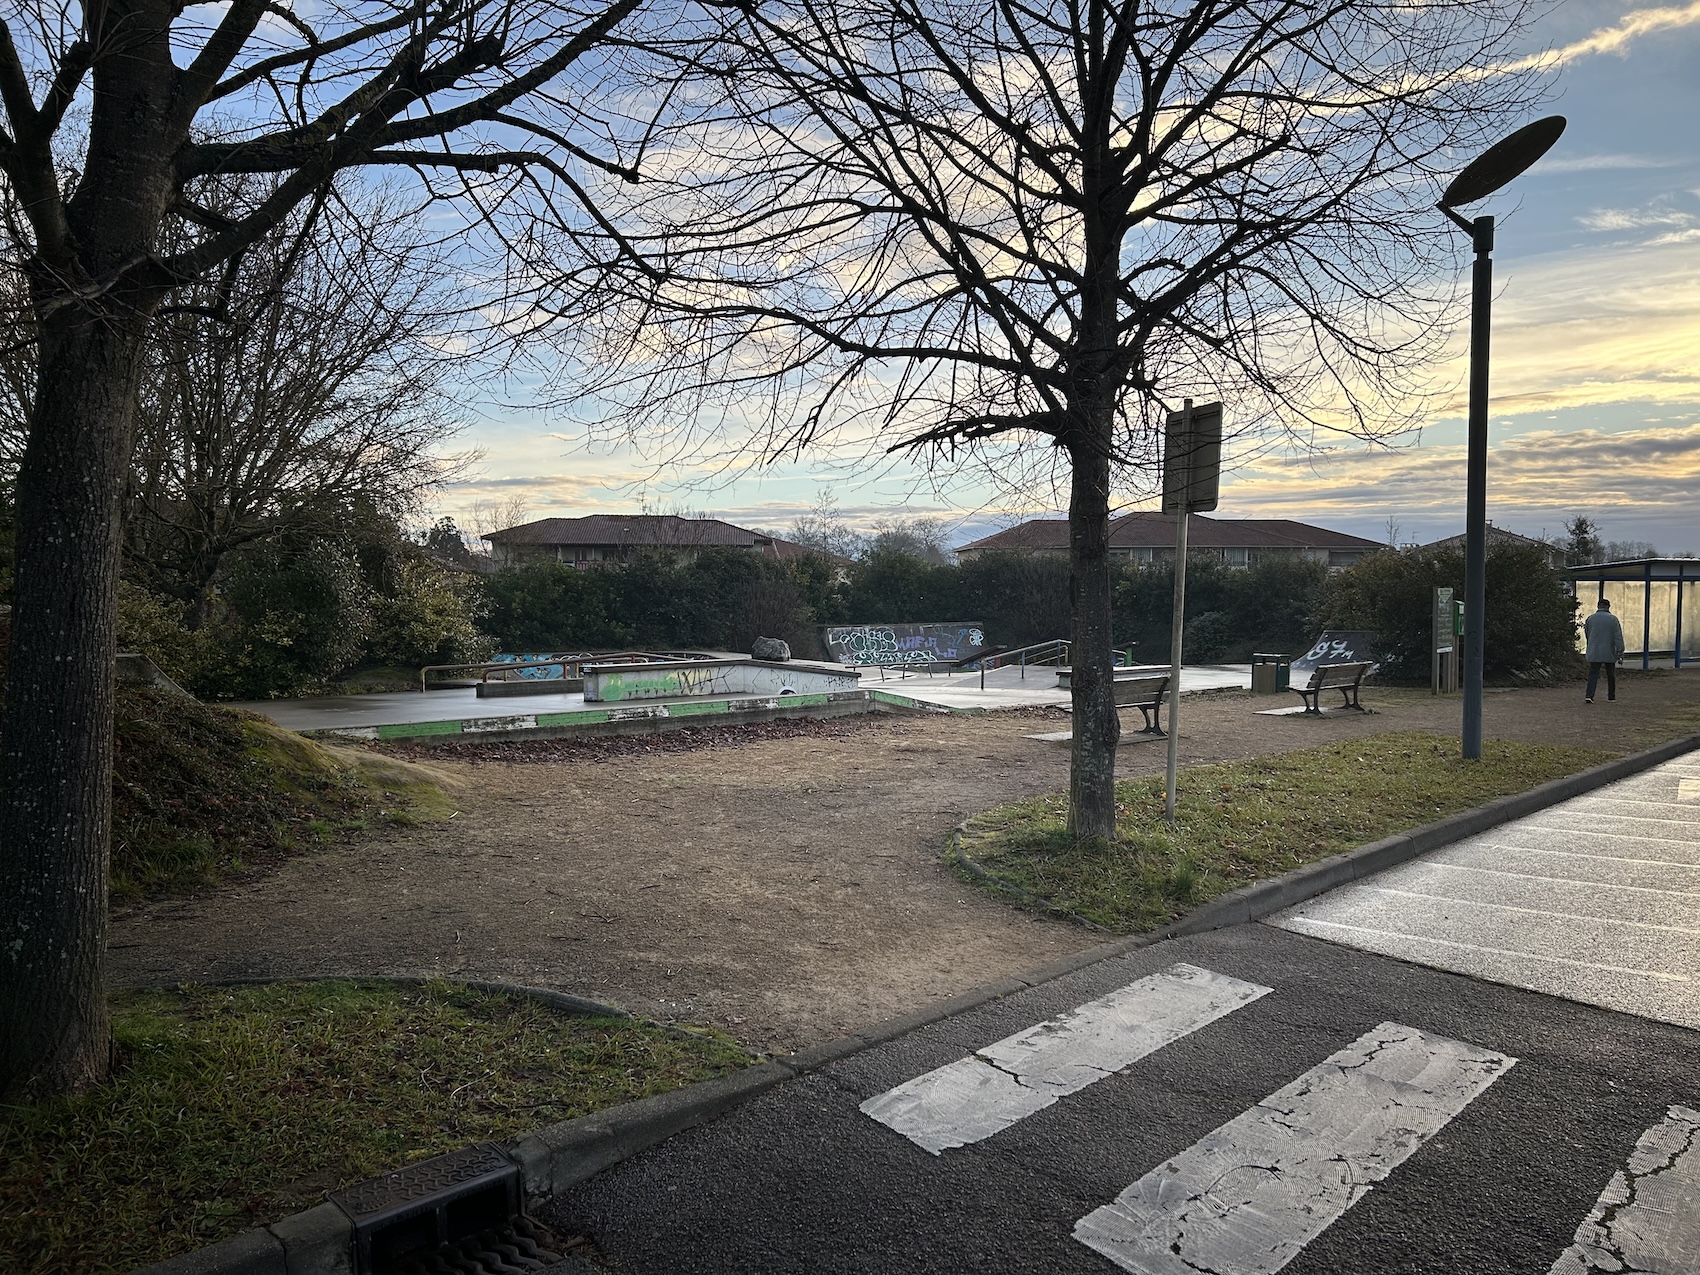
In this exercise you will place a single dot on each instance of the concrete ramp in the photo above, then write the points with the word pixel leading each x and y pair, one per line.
pixel 621 683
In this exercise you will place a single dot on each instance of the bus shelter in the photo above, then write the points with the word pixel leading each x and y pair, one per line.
pixel 1657 600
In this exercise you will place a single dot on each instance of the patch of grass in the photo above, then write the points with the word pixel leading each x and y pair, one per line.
pixel 200 793
pixel 234 1107
pixel 1245 820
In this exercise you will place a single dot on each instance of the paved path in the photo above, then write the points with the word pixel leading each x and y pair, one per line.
pixel 1238 1103
pixel 1596 899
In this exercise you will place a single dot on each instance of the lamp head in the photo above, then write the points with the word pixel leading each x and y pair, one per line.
pixel 1502 161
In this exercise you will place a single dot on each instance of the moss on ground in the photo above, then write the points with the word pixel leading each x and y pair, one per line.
pixel 200 793
pixel 235 1106
pixel 1243 821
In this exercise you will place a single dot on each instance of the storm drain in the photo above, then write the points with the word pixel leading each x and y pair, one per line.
pixel 461 1212
pixel 521 1246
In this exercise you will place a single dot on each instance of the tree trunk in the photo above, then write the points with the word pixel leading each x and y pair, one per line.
pixel 56 735
pixel 1092 759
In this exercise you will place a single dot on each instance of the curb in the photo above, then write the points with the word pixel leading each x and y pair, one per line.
pixel 560 1156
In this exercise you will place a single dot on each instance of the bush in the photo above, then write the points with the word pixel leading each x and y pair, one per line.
pixel 430 617
pixel 1531 618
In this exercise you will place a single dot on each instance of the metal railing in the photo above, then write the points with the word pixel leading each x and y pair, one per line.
pixel 570 665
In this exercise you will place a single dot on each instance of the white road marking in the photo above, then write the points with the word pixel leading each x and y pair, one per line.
pixel 1245 1199
pixel 1512 907
pixel 1648 1217
pixel 974 1097
pixel 1533 876
pixel 1301 924
pixel 1598 858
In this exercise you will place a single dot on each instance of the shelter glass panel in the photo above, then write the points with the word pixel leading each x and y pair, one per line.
pixel 1691 619
pixel 1661 629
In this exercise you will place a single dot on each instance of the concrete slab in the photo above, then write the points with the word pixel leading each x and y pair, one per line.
pixel 1582 900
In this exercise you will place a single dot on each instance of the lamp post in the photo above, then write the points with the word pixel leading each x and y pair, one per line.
pixel 1485 174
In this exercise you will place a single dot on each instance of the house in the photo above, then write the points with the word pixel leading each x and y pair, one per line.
pixel 599 538
pixel 1150 537
pixel 1500 536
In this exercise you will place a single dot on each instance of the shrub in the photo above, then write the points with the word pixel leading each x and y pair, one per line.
pixel 429 617
pixel 1531 617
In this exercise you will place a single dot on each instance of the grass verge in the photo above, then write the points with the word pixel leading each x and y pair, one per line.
pixel 1242 821
pixel 235 1106
pixel 202 793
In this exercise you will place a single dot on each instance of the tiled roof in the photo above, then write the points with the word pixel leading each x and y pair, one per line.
pixel 1157 531
pixel 629 529
pixel 619 531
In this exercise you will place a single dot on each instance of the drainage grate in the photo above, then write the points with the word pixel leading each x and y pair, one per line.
pixel 522 1247
pixel 429 1205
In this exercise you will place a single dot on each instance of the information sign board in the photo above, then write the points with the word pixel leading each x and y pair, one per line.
pixel 1192 459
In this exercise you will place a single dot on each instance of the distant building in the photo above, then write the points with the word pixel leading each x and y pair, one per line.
pixel 1500 536
pixel 1150 537
pixel 600 538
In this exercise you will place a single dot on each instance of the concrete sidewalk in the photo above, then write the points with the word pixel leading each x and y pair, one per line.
pixel 1596 899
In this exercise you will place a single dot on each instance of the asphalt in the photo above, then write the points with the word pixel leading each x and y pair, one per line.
pixel 1596 899
pixel 799 1179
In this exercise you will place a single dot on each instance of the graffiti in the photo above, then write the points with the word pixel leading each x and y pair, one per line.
pixel 1337 646
pixel 905 643
pixel 546 672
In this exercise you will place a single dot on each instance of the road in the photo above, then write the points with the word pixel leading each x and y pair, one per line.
pixel 1244 1101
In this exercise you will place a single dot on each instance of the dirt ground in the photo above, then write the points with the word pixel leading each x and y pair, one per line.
pixel 786 890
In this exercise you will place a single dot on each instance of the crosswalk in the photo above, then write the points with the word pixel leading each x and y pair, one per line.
pixel 1247 1198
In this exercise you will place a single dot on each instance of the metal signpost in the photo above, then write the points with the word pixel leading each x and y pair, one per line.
pixel 1192 472
pixel 1444 672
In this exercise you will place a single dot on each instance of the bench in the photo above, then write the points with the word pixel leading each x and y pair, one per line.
pixel 1345 678
pixel 1146 694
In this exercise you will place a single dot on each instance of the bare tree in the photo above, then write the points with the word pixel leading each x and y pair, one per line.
pixel 963 227
pixel 486 101
pixel 309 376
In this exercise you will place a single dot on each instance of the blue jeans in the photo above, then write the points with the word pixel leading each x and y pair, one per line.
pixel 1611 679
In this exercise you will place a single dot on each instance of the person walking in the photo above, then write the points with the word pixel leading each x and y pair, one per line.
pixel 1605 649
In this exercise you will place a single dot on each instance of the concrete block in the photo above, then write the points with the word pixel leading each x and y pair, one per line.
pixel 319 1241
pixel 256 1252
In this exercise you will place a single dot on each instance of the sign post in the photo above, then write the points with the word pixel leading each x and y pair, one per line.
pixel 1192 472
pixel 1443 675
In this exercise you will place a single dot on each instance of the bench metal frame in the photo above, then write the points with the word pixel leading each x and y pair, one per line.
pixel 1345 678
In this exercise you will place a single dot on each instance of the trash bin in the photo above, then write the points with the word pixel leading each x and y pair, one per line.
pixel 1269 673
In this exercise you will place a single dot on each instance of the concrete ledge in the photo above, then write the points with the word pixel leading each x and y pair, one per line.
pixel 530 686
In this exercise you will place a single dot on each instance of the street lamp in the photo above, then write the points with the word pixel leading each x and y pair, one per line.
pixel 1489 171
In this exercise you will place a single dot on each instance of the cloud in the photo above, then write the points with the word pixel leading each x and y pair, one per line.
pixel 1634 219
pixel 1542 474
pixel 1597 163
pixel 1615 39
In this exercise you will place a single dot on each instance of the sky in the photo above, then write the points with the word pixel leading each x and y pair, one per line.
pixel 1596 358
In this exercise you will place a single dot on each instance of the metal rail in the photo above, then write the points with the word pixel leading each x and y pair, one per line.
pixel 570 665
